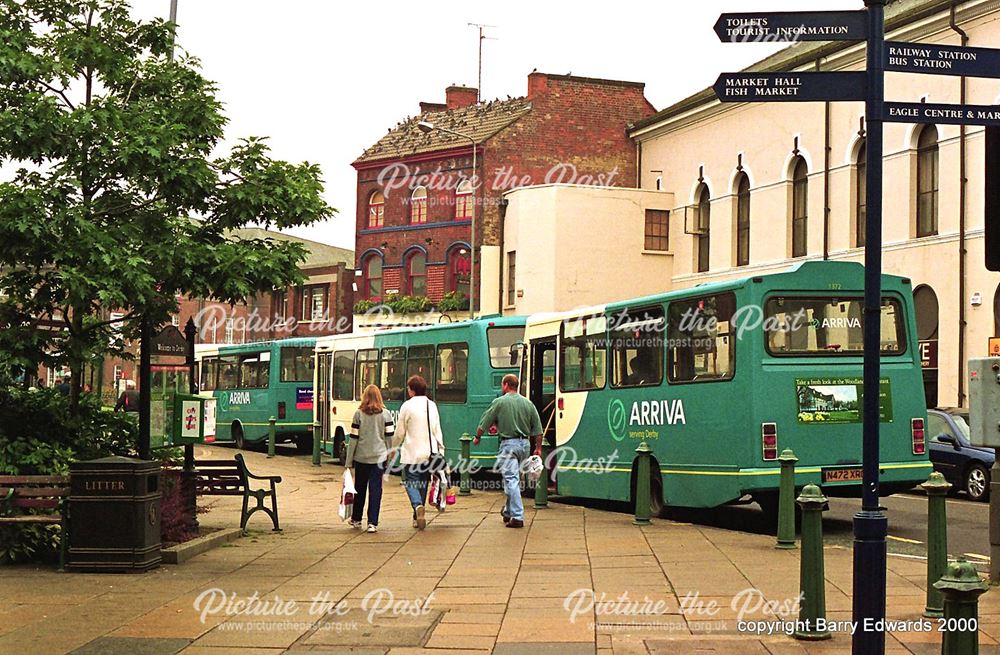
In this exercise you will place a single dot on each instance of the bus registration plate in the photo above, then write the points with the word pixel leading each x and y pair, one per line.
pixel 842 475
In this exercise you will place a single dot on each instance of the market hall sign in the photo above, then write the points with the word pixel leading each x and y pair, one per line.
pixel 941 59
pixel 921 112
pixel 792 26
pixel 790 87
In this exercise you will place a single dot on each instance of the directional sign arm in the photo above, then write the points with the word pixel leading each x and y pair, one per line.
pixel 921 112
pixel 942 59
pixel 791 87
pixel 792 26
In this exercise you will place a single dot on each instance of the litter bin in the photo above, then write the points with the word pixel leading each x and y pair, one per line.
pixel 114 515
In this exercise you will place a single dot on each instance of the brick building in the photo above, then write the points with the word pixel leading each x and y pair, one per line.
pixel 417 190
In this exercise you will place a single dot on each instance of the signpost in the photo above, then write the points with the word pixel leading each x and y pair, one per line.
pixel 870 524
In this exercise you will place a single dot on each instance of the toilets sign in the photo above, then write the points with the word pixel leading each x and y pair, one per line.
pixel 792 26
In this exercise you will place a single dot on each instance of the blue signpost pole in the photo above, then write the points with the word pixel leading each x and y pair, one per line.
pixel 870 524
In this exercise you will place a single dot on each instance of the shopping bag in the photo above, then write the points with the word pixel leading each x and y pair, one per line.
pixel 533 468
pixel 440 499
pixel 451 495
pixel 347 496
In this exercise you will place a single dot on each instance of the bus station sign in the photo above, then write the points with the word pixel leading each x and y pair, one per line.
pixel 790 87
pixel 922 112
pixel 942 59
pixel 792 26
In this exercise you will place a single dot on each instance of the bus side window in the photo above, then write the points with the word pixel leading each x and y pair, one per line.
pixel 452 373
pixel 228 372
pixel 367 371
pixel 209 369
pixel 420 361
pixel 637 348
pixel 392 377
pixel 343 375
pixel 583 350
pixel 702 344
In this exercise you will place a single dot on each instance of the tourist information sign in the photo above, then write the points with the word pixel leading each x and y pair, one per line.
pixel 792 26
pixel 921 112
pixel 790 87
pixel 942 59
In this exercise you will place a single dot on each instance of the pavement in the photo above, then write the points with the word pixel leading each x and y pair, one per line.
pixel 576 579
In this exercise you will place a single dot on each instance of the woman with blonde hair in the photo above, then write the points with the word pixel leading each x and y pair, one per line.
pixel 371 439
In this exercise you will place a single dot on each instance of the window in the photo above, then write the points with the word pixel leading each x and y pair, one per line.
pixel 229 368
pixel 209 373
pixel 828 326
pixel 703 219
pixel 800 208
pixel 657 230
pixel 452 373
pixel 927 182
pixel 279 305
pixel 637 348
pixel 372 280
pixel 459 270
pixel 416 274
pixel 500 340
pixel 418 205
pixel 376 210
pixel 420 361
pixel 255 370
pixel 392 374
pixel 313 303
pixel 702 344
pixel 367 371
pixel 297 364
pixel 861 184
pixel 583 353
pixel 937 426
pixel 228 336
pixel 465 201
pixel 743 220
pixel 511 277
pixel 343 375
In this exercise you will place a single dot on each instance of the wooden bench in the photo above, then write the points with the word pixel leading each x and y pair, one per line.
pixel 21 494
pixel 230 477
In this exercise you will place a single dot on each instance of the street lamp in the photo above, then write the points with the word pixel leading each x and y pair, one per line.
pixel 426 127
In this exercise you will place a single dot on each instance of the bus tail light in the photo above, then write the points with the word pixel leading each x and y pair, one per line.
pixel 917 436
pixel 560 404
pixel 769 441
pixel 281 409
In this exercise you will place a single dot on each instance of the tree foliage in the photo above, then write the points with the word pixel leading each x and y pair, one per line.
pixel 114 195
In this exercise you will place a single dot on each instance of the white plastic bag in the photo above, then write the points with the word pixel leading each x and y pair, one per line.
pixel 533 467
pixel 347 496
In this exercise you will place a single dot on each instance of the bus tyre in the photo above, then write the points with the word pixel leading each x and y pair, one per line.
pixel 341 446
pixel 977 483
pixel 238 437
pixel 656 506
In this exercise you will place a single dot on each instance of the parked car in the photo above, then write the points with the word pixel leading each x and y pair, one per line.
pixel 962 464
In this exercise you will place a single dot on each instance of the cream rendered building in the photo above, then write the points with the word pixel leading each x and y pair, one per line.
pixel 703 152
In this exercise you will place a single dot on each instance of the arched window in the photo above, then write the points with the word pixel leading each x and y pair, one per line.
pixel 703 219
pixel 418 205
pixel 927 182
pixel 464 201
pixel 372 277
pixel 742 220
pixel 376 209
pixel 861 184
pixel 416 274
pixel 925 304
pixel 459 269
pixel 800 208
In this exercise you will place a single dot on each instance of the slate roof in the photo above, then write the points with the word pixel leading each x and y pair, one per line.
pixel 318 254
pixel 480 121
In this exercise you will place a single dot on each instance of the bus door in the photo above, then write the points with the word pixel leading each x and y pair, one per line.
pixel 322 396
pixel 542 385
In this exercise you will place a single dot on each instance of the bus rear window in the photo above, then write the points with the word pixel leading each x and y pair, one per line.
pixel 296 364
pixel 828 326
pixel 501 341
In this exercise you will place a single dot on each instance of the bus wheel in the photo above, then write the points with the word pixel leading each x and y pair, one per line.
pixel 341 446
pixel 238 437
pixel 656 506
pixel 304 444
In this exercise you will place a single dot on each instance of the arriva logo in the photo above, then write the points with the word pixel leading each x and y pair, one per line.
pixel 846 322
pixel 616 419
pixel 239 398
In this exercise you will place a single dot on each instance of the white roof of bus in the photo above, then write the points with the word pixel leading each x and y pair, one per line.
pixel 543 323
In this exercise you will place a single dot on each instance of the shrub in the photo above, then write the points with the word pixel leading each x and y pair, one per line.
pixel 454 301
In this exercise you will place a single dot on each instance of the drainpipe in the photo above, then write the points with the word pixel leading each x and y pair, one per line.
pixel 962 252
pixel 826 176
pixel 638 164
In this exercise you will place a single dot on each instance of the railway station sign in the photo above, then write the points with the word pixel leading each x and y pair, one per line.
pixel 790 87
pixel 922 112
pixel 941 59
pixel 792 26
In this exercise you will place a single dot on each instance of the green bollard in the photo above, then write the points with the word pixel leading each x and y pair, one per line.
pixel 812 574
pixel 961 587
pixel 937 541
pixel 542 486
pixel 270 436
pixel 786 500
pixel 317 442
pixel 463 484
pixel 642 485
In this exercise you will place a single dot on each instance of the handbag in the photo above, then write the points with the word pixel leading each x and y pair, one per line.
pixel 435 461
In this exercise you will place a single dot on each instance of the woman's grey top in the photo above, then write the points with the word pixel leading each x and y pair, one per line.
pixel 371 437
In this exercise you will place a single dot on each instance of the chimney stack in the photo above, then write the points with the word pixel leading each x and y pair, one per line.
pixel 460 96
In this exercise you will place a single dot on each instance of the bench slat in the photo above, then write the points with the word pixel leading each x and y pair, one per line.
pixel 33 503
pixel 33 479
pixel 21 492
pixel 48 519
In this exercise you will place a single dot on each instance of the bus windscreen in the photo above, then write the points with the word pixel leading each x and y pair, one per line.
pixel 501 341
pixel 296 364
pixel 828 326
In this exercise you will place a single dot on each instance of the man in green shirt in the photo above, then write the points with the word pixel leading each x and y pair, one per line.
pixel 519 428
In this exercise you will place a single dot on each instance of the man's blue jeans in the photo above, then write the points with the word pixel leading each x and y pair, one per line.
pixel 509 457
pixel 415 479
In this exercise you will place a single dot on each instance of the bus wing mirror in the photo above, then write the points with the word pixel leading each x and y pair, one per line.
pixel 515 353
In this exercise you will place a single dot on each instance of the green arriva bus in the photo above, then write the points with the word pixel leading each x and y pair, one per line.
pixel 255 381
pixel 717 380
pixel 462 362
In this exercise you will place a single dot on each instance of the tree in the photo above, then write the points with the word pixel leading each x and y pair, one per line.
pixel 114 199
